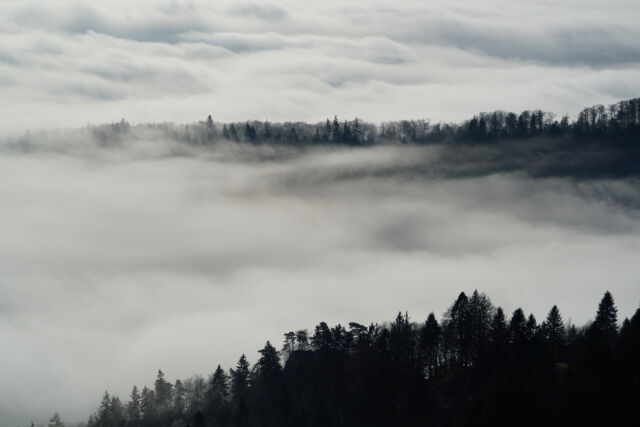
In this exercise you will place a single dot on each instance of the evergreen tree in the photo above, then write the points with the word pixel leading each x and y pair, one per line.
pixel 518 328
pixel 162 391
pixel 240 378
pixel 554 331
pixel 429 344
pixel 499 335
pixel 219 396
pixel 322 338
pixel 336 132
pixel 268 364
pixel 233 133
pixel 178 399
pixel 56 421
pixel 531 327
pixel 302 340
pixel 147 406
pixel 402 343
pixel 607 317
pixel 357 132
pixel 219 386
pixel 134 410
pixel 480 315
pixel 457 331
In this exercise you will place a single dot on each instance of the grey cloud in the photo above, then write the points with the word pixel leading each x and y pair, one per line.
pixel 180 60
pixel 149 25
pixel 110 246
pixel 589 46
pixel 109 250
pixel 267 12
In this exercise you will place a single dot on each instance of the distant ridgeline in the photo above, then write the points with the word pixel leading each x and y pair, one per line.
pixel 602 142
pixel 617 123
pixel 474 367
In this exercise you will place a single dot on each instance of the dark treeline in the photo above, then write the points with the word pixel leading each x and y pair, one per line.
pixel 602 142
pixel 476 366
pixel 618 123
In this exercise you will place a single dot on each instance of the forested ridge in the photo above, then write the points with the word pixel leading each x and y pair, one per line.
pixel 602 142
pixel 474 366
pixel 618 122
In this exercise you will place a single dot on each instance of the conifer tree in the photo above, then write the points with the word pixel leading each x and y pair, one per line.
pixel 518 328
pixel 429 344
pixel 268 364
pixel 499 335
pixel 607 316
pixel 56 421
pixel 554 331
pixel 240 379
pixel 134 411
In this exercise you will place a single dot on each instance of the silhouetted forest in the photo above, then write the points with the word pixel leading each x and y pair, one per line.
pixel 601 142
pixel 618 123
pixel 474 366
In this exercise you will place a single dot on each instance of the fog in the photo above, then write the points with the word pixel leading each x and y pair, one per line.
pixel 119 259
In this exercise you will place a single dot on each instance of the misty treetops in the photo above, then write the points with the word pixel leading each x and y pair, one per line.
pixel 619 122
pixel 476 366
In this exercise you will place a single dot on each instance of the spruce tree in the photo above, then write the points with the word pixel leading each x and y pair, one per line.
pixel 134 411
pixel 498 335
pixel 429 344
pixel 240 379
pixel 607 316
pixel 56 421
pixel 554 331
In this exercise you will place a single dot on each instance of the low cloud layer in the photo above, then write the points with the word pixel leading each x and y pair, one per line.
pixel 67 63
pixel 119 260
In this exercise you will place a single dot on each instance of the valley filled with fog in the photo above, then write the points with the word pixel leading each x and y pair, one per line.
pixel 146 253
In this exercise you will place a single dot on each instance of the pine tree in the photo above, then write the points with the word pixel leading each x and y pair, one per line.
pixel 336 132
pixel 268 364
pixel 218 396
pixel 457 330
pixel 178 399
pixel 162 391
pixel 219 385
pixel 134 411
pixel 116 412
pixel 104 410
pixel 147 406
pixel 56 421
pixel 240 378
pixel 429 344
pixel 499 335
pixel 554 331
pixel 518 327
pixel 302 340
pixel 607 316
pixel 357 131
pixel 401 341
pixel 211 129
pixel 531 327
pixel 480 315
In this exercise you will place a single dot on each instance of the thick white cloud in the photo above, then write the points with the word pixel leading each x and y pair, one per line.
pixel 65 63
pixel 114 263
pixel 118 261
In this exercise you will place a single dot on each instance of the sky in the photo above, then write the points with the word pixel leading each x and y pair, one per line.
pixel 118 261
pixel 64 63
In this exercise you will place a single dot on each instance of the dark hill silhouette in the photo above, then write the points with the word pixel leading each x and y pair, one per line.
pixel 476 366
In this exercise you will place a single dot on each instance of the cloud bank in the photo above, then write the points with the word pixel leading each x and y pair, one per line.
pixel 67 63
pixel 120 259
